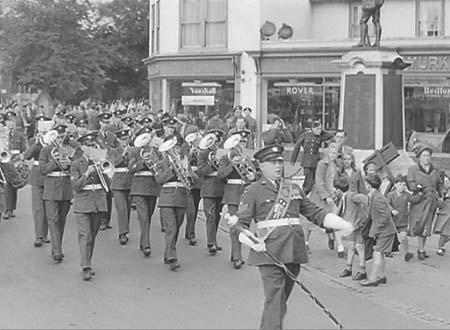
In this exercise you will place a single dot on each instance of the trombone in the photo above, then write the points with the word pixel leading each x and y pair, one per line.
pixel 97 157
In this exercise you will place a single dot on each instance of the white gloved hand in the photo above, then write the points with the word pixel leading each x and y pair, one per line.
pixel 335 222
pixel 231 219
pixel 247 238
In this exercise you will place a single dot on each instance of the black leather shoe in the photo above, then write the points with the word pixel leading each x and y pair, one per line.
pixel 359 276
pixel 108 226
pixel 87 274
pixel 102 227
pixel 92 272
pixel 147 251
pixel 6 215
pixel 409 256
pixel 123 239
pixel 345 273
pixel 58 258
pixel 388 255
pixel 174 265
pixel 38 242
pixel 331 244
pixel 212 250
pixel 11 214
pixel 382 280
pixel 341 254
pixel 421 255
pixel 440 252
pixel 368 283
pixel 237 264
pixel 192 241
pixel 218 248
pixel 46 240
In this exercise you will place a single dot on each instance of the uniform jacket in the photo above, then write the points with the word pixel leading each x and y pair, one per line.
pixel 286 243
pixel 33 152
pixel 186 129
pixel 400 203
pixel 141 185
pixel 276 136
pixel 380 214
pixel 17 141
pixel 311 144
pixel 86 201
pixel 121 180
pixel 232 192
pixel 55 188
pixel 169 196
pixel 211 186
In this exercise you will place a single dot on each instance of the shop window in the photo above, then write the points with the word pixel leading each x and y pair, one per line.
pixel 155 26
pixel 203 23
pixel 430 19
pixel 427 114
pixel 355 15
pixel 299 102
pixel 198 100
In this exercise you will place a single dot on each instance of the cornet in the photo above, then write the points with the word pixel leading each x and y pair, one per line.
pixel 244 166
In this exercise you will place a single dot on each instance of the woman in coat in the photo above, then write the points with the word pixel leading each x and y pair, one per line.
pixel 423 180
pixel 324 195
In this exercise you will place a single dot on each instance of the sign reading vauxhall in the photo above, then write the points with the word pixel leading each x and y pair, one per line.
pixel 200 93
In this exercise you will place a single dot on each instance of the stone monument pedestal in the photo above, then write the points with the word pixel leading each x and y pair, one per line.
pixel 371 107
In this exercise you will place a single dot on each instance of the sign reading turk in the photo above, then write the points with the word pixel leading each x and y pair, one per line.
pixel 199 93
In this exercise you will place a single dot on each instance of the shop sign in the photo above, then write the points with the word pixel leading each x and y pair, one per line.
pixel 428 92
pixel 300 90
pixel 197 100
pixel 201 89
pixel 429 63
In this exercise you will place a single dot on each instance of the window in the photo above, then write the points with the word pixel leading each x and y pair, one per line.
pixel 430 20
pixel 203 23
pixel 355 15
pixel 155 27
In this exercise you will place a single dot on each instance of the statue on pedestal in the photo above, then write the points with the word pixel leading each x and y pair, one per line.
pixel 370 8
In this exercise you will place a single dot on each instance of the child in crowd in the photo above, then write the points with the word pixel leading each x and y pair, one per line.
pixel 354 210
pixel 398 201
pixel 382 230
pixel 442 224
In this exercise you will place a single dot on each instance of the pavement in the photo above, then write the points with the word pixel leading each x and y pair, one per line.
pixel 131 291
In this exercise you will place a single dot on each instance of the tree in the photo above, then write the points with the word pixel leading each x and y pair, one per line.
pixel 126 32
pixel 51 44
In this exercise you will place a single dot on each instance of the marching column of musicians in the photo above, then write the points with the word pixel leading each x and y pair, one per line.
pixel 156 162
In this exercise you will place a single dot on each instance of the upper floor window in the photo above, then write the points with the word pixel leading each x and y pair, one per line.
pixel 430 19
pixel 155 23
pixel 203 23
pixel 355 15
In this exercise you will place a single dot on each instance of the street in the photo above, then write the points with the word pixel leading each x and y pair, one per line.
pixel 131 291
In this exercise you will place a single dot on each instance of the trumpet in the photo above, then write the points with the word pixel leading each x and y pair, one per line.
pixel 244 167
pixel 175 161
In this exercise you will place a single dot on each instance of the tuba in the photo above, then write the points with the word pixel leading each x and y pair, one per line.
pixel 180 168
pixel 245 167
pixel 148 156
pixel 207 142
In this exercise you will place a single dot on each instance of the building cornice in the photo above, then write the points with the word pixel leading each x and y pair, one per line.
pixel 190 56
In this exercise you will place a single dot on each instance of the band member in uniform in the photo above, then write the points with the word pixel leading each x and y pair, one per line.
pixel 82 126
pixel 106 140
pixel 276 205
pixel 57 189
pixel 311 141
pixel 212 189
pixel 144 189
pixel 230 171
pixel 193 194
pixel 37 183
pixel 121 184
pixel 116 123
pixel 172 201
pixel 89 203
pixel 17 145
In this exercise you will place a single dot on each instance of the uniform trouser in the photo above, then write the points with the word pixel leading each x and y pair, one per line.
pixel 236 250
pixel 106 216
pixel 277 288
pixel 56 217
pixel 39 215
pixel 10 196
pixel 88 225
pixel 122 201
pixel 212 207
pixel 191 212
pixel 310 179
pixel 145 206
pixel 172 218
